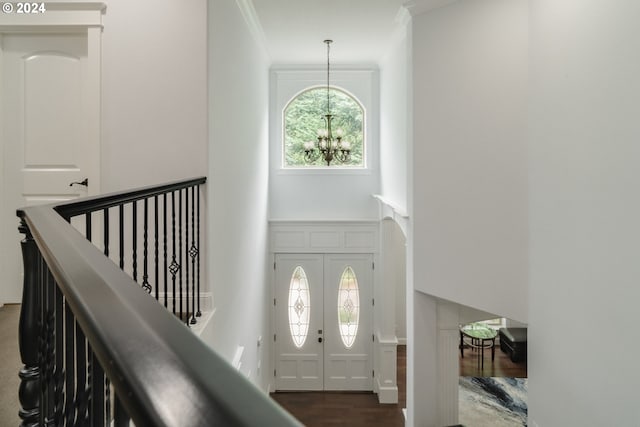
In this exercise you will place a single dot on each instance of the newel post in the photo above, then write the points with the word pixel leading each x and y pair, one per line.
pixel 29 391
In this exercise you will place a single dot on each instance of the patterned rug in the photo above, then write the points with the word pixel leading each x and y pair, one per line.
pixel 493 402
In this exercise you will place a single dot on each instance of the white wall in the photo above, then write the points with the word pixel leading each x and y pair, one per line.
pixel 154 96
pixel 394 105
pixel 238 186
pixel 324 194
pixel 584 209
pixel 469 160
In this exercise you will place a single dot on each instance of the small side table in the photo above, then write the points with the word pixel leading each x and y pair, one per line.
pixel 479 337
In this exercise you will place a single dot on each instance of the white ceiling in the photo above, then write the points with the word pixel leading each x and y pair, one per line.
pixel 294 30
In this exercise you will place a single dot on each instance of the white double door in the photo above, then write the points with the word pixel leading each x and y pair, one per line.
pixel 323 321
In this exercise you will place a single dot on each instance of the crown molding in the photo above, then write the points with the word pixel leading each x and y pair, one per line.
pixel 250 16
pixel 419 7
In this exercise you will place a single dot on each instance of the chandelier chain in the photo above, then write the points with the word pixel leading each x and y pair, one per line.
pixel 327 146
pixel 328 42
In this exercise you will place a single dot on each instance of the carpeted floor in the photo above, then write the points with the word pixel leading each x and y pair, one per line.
pixel 9 365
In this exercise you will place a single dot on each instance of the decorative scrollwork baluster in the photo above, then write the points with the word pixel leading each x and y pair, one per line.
pixel 193 252
pixel 164 250
pixel 82 397
pixel 198 313
pixel 174 268
pixel 186 248
pixel 180 250
pixel 58 375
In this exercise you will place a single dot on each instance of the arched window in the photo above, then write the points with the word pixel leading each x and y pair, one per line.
pixel 304 116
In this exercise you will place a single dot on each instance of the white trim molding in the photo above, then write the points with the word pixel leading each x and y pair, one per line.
pixel 250 16
pixel 418 7
pixel 386 380
pixel 389 209
pixel 324 237
pixel 67 16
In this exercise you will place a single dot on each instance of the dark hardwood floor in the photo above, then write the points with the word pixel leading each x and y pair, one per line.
pixel 502 366
pixel 320 409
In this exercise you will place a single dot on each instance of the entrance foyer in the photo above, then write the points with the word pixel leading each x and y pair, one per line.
pixel 323 319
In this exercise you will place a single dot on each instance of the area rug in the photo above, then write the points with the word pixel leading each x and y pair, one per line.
pixel 493 402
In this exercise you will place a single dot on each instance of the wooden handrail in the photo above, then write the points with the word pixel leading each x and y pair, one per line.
pixel 161 372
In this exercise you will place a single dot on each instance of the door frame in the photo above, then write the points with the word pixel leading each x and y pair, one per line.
pixel 62 18
pixel 357 362
pixel 324 237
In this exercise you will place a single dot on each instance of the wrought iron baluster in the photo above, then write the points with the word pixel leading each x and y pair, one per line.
pixel 164 237
pixel 155 246
pixel 69 357
pixel 95 391
pixel 198 313
pixel 192 254
pixel 107 399
pixel 87 230
pixel 180 248
pixel 134 240
pixel 121 234
pixel 106 231
pixel 174 267
pixel 82 402
pixel 186 248
pixel 29 393
pixel 48 342
pixel 145 244
pixel 58 375
pixel 120 416
pixel 42 366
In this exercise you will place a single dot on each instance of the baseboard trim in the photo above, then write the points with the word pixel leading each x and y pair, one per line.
pixel 387 394
pixel 402 341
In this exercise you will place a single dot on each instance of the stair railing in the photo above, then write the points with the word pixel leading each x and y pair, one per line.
pixel 97 348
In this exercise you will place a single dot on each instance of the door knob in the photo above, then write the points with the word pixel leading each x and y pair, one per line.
pixel 84 182
pixel 319 339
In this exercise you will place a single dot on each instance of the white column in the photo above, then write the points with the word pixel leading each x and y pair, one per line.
pixel 448 365
pixel 386 342
pixel 422 360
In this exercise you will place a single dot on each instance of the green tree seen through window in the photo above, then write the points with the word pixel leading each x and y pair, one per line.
pixel 305 115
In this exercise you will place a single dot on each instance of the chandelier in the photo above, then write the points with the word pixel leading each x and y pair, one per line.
pixel 327 146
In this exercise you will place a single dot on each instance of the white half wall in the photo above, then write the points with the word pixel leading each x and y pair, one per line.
pixel 584 153
pixel 238 190
pixel 469 154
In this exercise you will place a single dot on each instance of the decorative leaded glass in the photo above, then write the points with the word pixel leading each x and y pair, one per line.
pixel 299 307
pixel 348 307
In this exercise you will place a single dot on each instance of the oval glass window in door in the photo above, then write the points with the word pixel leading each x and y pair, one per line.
pixel 348 307
pixel 299 307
